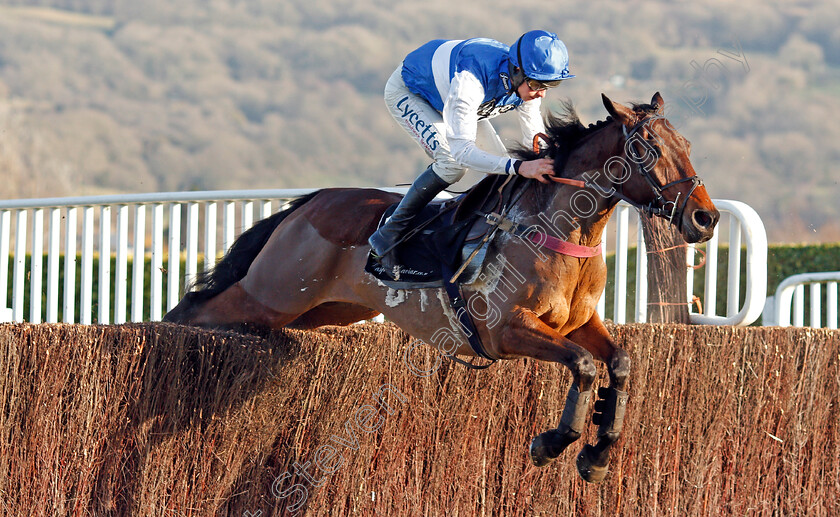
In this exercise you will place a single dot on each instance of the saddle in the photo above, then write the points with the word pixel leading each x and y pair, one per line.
pixel 447 237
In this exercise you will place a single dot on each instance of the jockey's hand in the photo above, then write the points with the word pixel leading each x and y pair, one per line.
pixel 537 169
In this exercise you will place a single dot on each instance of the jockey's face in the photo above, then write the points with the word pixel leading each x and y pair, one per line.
pixel 527 94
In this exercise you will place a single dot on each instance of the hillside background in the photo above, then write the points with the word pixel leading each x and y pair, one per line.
pixel 107 96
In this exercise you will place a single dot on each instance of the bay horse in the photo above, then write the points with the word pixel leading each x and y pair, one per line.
pixel 304 267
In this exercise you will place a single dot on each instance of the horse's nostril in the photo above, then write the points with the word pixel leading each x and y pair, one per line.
pixel 703 219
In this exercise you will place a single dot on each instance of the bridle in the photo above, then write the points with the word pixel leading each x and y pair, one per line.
pixel 660 206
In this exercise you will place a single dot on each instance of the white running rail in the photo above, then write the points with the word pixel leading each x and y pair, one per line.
pixel 790 297
pixel 105 219
pixel 744 226
pixel 83 228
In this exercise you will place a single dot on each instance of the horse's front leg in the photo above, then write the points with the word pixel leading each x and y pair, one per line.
pixel 526 335
pixel 610 408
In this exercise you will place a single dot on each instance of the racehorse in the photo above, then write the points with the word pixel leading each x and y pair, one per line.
pixel 305 266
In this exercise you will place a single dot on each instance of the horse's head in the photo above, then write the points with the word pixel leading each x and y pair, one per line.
pixel 654 172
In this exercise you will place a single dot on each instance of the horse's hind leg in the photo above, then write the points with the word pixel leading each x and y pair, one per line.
pixel 610 409
pixel 332 313
pixel 235 305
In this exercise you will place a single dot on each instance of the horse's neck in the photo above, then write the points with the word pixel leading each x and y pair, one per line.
pixel 587 163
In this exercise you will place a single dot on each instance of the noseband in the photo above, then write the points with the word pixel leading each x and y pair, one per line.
pixel 660 206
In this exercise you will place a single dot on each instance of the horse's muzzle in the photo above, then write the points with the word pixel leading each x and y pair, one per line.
pixel 698 225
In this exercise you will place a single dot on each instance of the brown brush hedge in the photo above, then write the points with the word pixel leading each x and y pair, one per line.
pixel 157 419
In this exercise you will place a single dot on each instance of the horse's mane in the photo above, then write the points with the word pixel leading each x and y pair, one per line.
pixel 565 131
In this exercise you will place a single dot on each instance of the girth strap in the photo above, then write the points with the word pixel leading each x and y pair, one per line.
pixel 459 305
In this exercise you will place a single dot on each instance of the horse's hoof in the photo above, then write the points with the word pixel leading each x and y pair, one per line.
pixel 587 468
pixel 541 451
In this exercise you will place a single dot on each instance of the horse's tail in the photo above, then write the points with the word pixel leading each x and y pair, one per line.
pixel 234 265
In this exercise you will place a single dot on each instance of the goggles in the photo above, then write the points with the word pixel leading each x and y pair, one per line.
pixel 536 86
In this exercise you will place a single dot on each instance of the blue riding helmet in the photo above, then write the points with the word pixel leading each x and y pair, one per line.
pixel 543 56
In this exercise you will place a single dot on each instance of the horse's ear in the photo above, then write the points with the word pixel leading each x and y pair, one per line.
pixel 657 102
pixel 618 111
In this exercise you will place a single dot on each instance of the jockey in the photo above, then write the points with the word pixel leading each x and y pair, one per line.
pixel 443 94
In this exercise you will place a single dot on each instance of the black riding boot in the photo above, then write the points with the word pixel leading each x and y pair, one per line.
pixel 422 191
